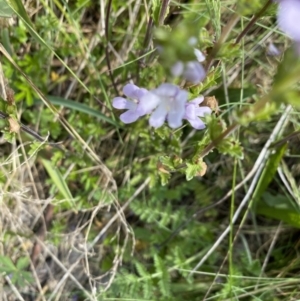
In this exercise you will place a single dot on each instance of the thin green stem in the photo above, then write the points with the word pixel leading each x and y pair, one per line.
pixel 232 208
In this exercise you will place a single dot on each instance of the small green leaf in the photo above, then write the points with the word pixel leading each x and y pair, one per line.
pixel 192 170
pixel 8 136
pixel 166 161
pixel 6 265
pixel 164 177
pixel 163 132
pixel 255 113
pixel 201 146
pixel 229 50
pixel 216 126
pixel 231 147
pixel 21 278
pixel 22 263
pixel 35 147
pixel 164 281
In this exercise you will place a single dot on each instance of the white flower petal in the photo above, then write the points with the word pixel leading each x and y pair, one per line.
pixel 199 55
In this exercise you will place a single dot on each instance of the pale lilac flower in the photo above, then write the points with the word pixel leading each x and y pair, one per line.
pixel 193 112
pixel 135 93
pixel 177 69
pixel 288 18
pixel 192 71
pixel 168 102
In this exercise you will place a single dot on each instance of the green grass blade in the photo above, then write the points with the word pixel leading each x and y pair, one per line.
pixel 5 10
pixel 291 217
pixel 268 174
pixel 81 107
pixel 18 7
pixel 274 206
pixel 58 180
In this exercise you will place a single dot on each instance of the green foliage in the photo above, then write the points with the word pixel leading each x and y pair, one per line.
pixel 278 207
pixel 216 126
pixel 245 7
pixel 164 279
pixel 17 273
pixel 232 147
pixel 230 50
pixel 63 55
pixel 262 111
pixel 194 169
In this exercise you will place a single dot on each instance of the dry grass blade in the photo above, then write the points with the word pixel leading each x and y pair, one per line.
pixel 2 83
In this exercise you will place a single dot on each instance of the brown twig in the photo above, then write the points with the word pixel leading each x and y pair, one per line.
pixel 146 43
pixel 31 132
